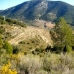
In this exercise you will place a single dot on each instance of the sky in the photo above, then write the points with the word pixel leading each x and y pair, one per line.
pixel 4 4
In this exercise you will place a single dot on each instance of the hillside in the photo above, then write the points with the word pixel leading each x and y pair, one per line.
pixel 41 9
pixel 21 34
pixel 18 34
pixel 30 37
pixel 41 24
pixel 28 49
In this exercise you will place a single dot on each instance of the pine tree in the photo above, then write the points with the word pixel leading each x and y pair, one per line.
pixel 64 34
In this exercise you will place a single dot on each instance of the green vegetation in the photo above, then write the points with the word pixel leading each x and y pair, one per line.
pixel 50 63
pixel 16 49
pixel 4 35
pixel 63 35
pixel 33 55
pixel 8 47
pixel 32 45
pixel 16 22
pixel 2 29
pixel 5 47
pixel 11 21
pixel 2 20
pixel 1 42
pixel 50 11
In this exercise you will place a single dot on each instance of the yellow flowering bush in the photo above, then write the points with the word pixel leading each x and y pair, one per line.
pixel 16 56
pixel 6 69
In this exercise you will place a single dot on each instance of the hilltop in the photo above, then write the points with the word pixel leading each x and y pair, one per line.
pixel 41 9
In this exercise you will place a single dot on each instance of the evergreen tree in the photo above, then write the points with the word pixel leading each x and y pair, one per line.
pixel 64 34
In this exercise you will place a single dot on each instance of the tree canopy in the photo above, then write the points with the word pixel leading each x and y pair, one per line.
pixel 64 34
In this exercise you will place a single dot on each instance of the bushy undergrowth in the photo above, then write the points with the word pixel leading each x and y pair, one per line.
pixel 39 61
pixel 49 63
pixel 11 21
pixel 6 69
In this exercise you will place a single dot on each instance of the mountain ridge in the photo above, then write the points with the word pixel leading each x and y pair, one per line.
pixel 41 9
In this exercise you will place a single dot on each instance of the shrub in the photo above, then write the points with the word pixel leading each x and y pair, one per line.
pixel 6 69
pixel 1 44
pixel 16 49
pixel 69 49
pixel 41 72
pixel 30 64
pixel 58 63
pixel 2 22
pixel 2 30
pixel 8 47
pixel 22 42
